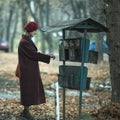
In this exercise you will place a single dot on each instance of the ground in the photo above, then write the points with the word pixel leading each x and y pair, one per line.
pixel 96 106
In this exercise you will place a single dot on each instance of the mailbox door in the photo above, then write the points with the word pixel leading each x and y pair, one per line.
pixel 69 77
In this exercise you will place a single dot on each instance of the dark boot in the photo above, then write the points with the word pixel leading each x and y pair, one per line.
pixel 26 114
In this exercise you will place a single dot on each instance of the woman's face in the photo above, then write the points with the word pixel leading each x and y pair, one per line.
pixel 32 34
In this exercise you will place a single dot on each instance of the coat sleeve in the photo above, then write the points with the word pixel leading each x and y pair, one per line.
pixel 30 51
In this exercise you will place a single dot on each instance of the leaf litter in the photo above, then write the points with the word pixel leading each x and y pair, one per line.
pixel 98 105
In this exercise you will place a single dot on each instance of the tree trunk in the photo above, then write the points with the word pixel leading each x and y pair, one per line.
pixel 14 32
pixel 113 22
pixel 42 34
pixel 99 47
pixel 101 19
pixel 23 8
pixel 24 14
pixel 9 23
pixel 49 38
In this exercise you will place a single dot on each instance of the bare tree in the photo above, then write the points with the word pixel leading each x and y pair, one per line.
pixel 9 18
pixel 14 29
pixel 23 11
pixel 101 18
pixel 97 13
pixel 113 37
pixel 43 9
pixel 2 26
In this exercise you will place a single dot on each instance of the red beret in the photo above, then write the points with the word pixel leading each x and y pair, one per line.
pixel 31 26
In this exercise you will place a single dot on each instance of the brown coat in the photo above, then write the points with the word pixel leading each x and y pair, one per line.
pixel 31 87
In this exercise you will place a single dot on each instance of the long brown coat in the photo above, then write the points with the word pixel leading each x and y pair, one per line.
pixel 31 87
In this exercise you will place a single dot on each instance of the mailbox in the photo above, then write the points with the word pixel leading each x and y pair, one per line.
pixel 76 50
pixel 71 50
pixel 69 77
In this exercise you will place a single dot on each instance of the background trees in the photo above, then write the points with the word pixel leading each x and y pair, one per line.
pixel 15 13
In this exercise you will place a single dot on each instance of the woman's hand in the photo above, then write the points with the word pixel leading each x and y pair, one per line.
pixel 52 56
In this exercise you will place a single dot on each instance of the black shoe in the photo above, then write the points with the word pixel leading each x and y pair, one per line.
pixel 26 116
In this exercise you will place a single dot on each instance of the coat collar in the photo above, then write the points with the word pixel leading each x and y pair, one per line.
pixel 28 39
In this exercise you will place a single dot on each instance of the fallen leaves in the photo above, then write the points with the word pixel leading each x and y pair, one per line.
pixel 111 111
pixel 97 105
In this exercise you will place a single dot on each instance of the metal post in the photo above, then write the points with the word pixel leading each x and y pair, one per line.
pixel 81 76
pixel 57 102
pixel 64 90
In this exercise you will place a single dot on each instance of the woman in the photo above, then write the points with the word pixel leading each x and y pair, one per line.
pixel 31 87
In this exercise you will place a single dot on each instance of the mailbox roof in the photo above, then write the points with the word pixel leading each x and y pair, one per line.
pixel 78 25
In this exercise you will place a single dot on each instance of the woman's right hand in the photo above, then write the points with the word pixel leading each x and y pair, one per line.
pixel 52 56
